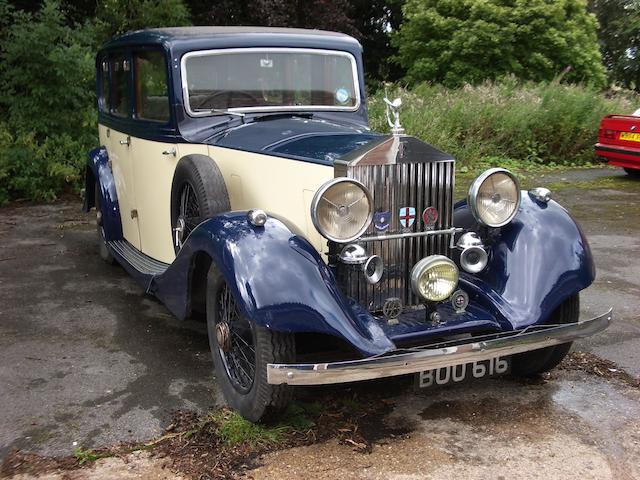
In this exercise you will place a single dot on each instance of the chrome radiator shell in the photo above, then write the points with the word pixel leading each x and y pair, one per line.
pixel 400 171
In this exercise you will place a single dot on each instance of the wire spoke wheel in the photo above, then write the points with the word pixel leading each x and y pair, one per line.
pixel 189 214
pixel 235 338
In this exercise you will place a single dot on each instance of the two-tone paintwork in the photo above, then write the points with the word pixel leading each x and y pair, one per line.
pixel 283 283
pixel 279 273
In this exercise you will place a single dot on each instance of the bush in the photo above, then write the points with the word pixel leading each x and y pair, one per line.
pixel 114 17
pixel 47 102
pixel 458 41
pixel 39 170
pixel 530 123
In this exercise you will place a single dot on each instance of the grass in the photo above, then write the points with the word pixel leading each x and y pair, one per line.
pixel 523 126
pixel 229 427
pixel 234 430
pixel 87 455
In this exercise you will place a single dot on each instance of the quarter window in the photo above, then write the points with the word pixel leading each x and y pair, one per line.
pixel 152 95
pixel 103 101
pixel 120 70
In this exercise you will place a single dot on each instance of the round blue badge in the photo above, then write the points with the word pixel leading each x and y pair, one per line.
pixel 342 95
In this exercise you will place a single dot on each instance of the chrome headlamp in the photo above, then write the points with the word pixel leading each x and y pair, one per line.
pixel 342 210
pixel 494 197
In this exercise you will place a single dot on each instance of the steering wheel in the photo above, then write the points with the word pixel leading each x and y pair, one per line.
pixel 230 94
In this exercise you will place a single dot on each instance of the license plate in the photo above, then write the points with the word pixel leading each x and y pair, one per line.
pixel 630 136
pixel 460 373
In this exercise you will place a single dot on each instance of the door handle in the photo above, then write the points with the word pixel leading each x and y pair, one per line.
pixel 171 151
pixel 126 141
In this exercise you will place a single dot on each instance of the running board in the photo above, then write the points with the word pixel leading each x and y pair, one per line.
pixel 137 259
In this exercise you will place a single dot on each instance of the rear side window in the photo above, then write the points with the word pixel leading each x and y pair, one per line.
pixel 120 71
pixel 103 101
pixel 152 94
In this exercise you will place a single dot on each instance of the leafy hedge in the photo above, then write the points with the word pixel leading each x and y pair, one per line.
pixel 507 121
pixel 48 120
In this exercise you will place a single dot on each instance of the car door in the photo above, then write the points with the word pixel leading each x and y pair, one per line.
pixel 119 145
pixel 154 153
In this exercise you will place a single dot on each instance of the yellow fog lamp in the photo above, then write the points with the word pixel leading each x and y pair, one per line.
pixel 434 278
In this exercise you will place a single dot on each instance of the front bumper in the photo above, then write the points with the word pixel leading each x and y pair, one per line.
pixel 435 356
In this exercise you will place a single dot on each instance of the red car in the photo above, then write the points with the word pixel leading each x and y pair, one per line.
pixel 619 142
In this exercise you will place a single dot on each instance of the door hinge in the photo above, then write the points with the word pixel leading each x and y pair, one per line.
pixel 134 213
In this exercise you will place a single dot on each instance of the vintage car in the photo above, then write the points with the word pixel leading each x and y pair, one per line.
pixel 238 181
pixel 619 142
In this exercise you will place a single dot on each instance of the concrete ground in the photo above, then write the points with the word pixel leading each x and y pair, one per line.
pixel 86 359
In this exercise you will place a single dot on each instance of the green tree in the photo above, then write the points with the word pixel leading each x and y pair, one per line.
pixel 114 17
pixel 374 20
pixel 619 36
pixel 458 41
pixel 46 101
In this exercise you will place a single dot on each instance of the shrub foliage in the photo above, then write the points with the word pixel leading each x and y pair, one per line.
pixel 468 41
pixel 510 121
pixel 47 90
pixel 47 101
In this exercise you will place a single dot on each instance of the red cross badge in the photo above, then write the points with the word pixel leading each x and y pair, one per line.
pixel 407 217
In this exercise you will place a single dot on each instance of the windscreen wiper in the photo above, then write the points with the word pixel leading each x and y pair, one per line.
pixel 222 111
pixel 269 115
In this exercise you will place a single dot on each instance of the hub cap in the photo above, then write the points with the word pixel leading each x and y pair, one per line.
pixel 235 343
pixel 223 336
pixel 188 215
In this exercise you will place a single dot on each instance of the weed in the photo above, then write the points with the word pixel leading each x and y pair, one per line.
pixel 86 455
pixel 235 430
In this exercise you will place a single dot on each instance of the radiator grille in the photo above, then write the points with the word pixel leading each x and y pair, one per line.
pixel 418 185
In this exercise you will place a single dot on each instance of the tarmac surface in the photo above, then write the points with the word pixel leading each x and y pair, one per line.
pixel 87 359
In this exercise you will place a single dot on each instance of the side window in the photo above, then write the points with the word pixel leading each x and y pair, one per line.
pixel 152 94
pixel 103 100
pixel 120 71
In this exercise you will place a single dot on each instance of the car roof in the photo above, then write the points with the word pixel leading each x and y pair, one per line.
pixel 187 38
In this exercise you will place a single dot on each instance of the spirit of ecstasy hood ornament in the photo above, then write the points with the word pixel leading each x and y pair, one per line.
pixel 393 108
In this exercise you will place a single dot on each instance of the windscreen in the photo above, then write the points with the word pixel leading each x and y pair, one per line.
pixel 269 79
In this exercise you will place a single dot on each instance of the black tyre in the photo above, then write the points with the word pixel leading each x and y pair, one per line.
pixel 241 352
pixel 633 172
pixel 105 254
pixel 197 193
pixel 540 361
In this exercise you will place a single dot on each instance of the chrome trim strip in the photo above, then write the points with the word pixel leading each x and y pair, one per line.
pixel 419 360
pixel 426 233
pixel 281 108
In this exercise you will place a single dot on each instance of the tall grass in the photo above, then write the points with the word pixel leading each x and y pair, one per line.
pixel 509 121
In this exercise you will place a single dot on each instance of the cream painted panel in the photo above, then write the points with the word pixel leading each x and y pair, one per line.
pixel 121 165
pixel 153 174
pixel 278 185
